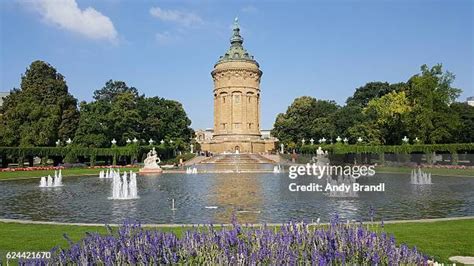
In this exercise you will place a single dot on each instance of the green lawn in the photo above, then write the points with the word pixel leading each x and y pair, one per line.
pixel 87 171
pixel 433 171
pixel 439 239
pixel 65 172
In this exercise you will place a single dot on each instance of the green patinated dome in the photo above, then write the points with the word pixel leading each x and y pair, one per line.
pixel 236 52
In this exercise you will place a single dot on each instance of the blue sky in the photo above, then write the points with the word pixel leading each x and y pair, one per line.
pixel 323 49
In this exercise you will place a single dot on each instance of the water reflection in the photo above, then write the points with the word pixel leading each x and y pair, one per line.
pixel 239 194
pixel 253 197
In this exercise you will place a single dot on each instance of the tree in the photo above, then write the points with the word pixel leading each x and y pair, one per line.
pixel 368 131
pixel 346 117
pixel 124 118
pixel 112 89
pixel 93 129
pixel 372 90
pixel 41 111
pixel 305 118
pixel 164 119
pixel 464 133
pixel 119 113
pixel 389 115
pixel 430 94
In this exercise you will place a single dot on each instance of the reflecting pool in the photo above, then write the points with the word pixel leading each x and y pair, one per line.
pixel 213 198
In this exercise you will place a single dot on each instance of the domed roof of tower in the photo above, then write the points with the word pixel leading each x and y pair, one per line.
pixel 236 52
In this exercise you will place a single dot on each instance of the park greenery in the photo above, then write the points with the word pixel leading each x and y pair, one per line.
pixel 38 118
pixel 423 109
pixel 42 111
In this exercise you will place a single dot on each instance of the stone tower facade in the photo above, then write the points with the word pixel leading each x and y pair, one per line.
pixel 236 95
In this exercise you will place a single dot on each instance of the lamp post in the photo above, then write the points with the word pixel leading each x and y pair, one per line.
pixel 303 141
pixel 58 142
pixel 135 140
pixel 282 146
pixel 345 140
pixel 338 139
pixel 128 141
pixel 191 146
pixel 417 140
pixel 151 141
pixel 359 139
pixel 68 141
pixel 113 142
pixel 323 140
pixel 312 141
pixel 162 142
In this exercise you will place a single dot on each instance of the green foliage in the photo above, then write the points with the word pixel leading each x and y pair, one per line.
pixel 112 90
pixel 41 111
pixel 383 113
pixel 372 90
pixel 389 115
pixel 339 148
pixel 368 131
pixel 164 119
pixel 70 153
pixel 465 131
pixel 305 118
pixel 347 117
pixel 93 129
pixel 430 94
pixel 120 113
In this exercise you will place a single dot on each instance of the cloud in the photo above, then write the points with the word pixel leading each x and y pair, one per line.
pixel 187 19
pixel 249 9
pixel 67 15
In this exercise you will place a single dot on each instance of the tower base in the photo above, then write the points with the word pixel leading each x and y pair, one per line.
pixel 238 146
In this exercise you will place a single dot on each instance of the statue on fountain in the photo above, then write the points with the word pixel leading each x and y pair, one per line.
pixel 151 163
pixel 321 157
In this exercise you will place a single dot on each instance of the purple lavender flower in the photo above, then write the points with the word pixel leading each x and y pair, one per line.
pixel 292 243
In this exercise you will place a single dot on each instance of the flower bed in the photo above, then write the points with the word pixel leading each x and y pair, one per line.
pixel 34 168
pixel 113 166
pixel 446 166
pixel 292 243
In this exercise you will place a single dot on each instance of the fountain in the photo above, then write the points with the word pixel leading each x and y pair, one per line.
pixel 49 181
pixel 346 180
pixel 191 170
pixel 418 177
pixel 173 208
pixel 276 169
pixel 108 174
pixel 321 157
pixel 151 163
pixel 123 189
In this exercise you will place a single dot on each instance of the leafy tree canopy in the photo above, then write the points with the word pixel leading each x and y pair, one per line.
pixel 41 111
pixel 119 113
pixel 305 118
pixel 381 113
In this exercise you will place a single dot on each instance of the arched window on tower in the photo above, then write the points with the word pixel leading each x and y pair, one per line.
pixel 249 96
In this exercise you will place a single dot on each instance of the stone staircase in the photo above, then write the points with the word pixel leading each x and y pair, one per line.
pixel 240 159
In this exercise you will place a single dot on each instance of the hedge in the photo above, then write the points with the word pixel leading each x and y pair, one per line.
pixel 71 153
pixel 340 148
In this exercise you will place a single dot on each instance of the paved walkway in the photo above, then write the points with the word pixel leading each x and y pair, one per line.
pixel 463 260
pixel 253 225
